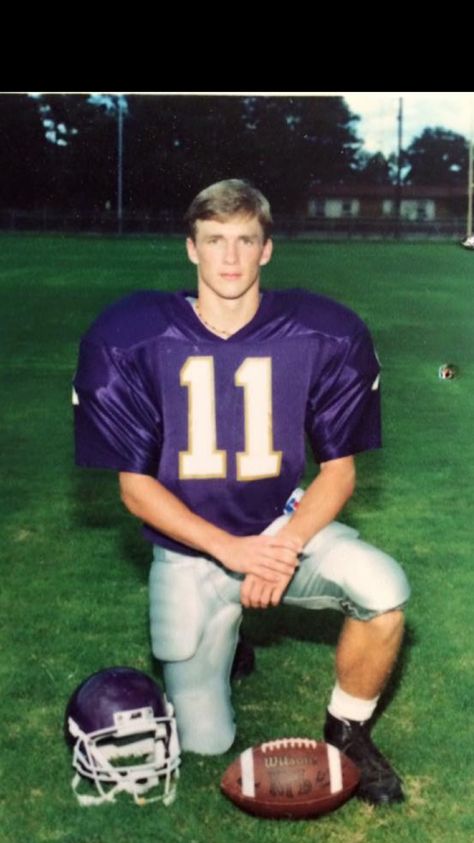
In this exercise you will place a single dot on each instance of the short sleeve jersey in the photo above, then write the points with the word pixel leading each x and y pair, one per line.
pixel 221 423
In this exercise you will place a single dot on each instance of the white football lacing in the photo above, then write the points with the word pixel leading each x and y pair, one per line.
pixel 288 743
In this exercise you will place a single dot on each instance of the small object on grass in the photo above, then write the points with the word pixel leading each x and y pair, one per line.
pixel 468 242
pixel 448 371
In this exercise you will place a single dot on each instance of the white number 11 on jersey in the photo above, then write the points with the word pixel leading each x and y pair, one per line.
pixel 203 459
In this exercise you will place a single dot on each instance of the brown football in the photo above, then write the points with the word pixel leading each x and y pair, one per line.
pixel 294 778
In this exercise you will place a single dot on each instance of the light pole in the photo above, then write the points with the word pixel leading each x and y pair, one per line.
pixel 119 164
pixel 398 185
pixel 470 175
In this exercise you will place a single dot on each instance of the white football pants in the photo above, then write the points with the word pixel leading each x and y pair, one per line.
pixel 195 614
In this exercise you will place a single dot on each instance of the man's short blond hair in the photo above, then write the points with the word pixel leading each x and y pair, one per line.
pixel 229 198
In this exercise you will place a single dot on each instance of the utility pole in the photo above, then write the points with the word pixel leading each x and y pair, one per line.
pixel 398 184
pixel 470 175
pixel 119 165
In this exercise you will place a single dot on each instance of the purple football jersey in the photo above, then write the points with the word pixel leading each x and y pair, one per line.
pixel 221 423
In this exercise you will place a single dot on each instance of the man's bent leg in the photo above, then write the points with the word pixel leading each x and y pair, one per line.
pixel 199 688
pixel 365 657
pixel 367 652
pixel 370 588
pixel 340 571
pixel 195 617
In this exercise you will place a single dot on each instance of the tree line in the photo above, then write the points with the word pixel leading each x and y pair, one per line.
pixel 60 151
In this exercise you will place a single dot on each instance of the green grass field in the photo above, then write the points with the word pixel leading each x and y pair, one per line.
pixel 74 565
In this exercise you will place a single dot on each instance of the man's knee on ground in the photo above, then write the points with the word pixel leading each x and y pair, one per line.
pixel 199 687
pixel 204 716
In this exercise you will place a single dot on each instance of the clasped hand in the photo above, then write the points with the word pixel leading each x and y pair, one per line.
pixel 268 563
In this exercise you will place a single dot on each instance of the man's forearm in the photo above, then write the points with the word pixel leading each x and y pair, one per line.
pixel 150 501
pixel 323 499
pixel 265 556
pixel 321 503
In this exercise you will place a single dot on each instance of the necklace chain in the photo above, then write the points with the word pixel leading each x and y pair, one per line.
pixel 219 331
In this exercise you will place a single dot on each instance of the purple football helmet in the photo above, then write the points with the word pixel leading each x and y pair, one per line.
pixel 122 732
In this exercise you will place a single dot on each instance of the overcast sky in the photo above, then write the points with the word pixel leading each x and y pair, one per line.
pixel 378 112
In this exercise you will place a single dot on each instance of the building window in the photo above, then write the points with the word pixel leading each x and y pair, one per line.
pixel 347 208
pixel 418 210
pixel 316 208
pixel 421 214
pixel 337 208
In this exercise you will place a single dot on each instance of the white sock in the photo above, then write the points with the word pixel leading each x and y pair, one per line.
pixel 346 707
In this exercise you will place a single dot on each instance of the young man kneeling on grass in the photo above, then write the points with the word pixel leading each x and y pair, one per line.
pixel 201 401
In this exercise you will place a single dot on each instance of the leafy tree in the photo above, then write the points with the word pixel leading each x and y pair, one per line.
pixel 23 152
pixel 298 141
pixel 173 147
pixel 177 145
pixel 437 156
pixel 56 152
pixel 374 169
pixel 82 152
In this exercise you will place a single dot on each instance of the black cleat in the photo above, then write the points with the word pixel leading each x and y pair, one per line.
pixel 379 783
pixel 244 660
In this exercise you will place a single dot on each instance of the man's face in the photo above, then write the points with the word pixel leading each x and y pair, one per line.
pixel 229 255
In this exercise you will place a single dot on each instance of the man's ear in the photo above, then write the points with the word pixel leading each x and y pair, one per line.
pixel 267 252
pixel 191 250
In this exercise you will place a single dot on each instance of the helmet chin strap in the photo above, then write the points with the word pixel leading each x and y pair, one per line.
pixel 91 763
pixel 86 800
